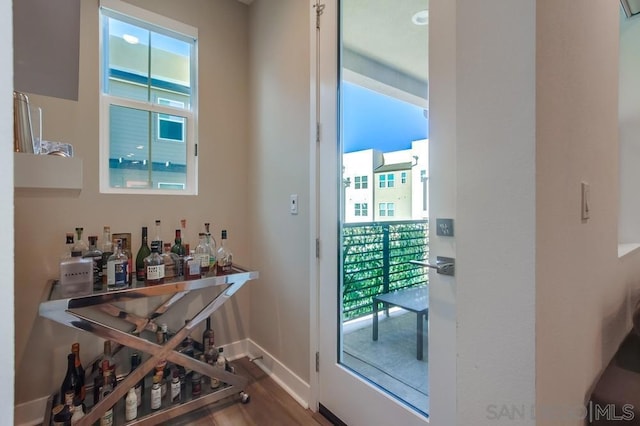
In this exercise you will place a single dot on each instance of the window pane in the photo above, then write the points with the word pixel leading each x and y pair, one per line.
pixel 137 159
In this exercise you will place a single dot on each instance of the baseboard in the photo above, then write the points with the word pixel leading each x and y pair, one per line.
pixel 31 413
pixel 283 376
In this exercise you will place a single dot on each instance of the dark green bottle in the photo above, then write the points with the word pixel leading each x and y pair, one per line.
pixel 143 252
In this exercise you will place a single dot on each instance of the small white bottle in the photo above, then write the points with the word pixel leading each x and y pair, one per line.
pixel 156 394
pixel 131 405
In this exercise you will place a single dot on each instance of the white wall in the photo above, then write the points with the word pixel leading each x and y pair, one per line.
pixel 584 293
pixel 495 226
pixel 6 212
pixel 279 166
pixel 42 219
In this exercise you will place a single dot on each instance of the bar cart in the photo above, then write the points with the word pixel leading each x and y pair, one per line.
pixel 73 312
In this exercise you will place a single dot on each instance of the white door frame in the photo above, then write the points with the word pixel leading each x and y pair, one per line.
pixel 442 319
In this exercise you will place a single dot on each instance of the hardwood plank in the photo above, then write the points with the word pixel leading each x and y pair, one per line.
pixel 269 405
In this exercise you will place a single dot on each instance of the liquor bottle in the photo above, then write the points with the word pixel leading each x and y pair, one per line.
pixel 75 349
pixel 196 381
pixel 80 244
pixel 175 387
pixel 68 246
pixel 154 266
pixel 131 405
pixel 71 380
pixel 96 256
pixel 224 256
pixel 143 252
pixel 106 389
pixel 76 276
pixel 139 386
pixel 78 411
pixel 212 247
pixel 183 231
pixel 192 266
pixel 187 344
pixel 156 393
pixel 207 337
pixel 178 247
pixel 214 382
pixel 126 249
pixel 158 236
pixel 202 252
pixel 107 251
pixel 117 268
pixel 171 263
pixel 62 415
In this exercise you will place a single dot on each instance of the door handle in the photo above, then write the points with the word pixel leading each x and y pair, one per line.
pixel 444 265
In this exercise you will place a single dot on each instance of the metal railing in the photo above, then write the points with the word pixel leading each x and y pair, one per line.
pixel 376 257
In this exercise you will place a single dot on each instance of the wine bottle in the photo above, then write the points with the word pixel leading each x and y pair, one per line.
pixel 75 349
pixel 207 337
pixel 71 380
pixel 202 253
pixel 143 252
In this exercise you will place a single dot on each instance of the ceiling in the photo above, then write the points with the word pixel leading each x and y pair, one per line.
pixel 383 31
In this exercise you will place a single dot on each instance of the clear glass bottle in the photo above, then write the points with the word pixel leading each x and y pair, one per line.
pixel 158 236
pixel 96 256
pixel 126 249
pixel 172 269
pixel 192 266
pixel 224 256
pixel 154 266
pixel 117 268
pixel 202 252
pixel 80 244
pixel 183 231
pixel 207 337
pixel 76 276
pixel 143 252
pixel 107 251
pixel 213 247
pixel 68 246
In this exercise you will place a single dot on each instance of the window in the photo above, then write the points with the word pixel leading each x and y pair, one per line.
pixel 387 181
pixel 361 209
pixel 148 102
pixel 361 182
pixel 403 177
pixel 386 209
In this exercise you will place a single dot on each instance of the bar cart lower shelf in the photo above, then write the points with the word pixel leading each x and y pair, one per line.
pixel 70 312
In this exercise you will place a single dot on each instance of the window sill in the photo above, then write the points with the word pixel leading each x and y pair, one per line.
pixel 626 248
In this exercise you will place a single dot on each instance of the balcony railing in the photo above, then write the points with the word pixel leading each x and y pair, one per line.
pixel 376 259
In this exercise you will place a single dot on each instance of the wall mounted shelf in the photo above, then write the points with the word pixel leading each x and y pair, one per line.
pixel 48 172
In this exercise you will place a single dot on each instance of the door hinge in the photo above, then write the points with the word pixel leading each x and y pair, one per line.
pixel 319 10
pixel 317 362
pixel 196 154
pixel 317 248
pixel 317 132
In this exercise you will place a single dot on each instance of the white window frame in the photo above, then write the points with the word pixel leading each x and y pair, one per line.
pixel 357 182
pixel 403 177
pixel 364 182
pixel 116 8
pixel 383 181
pixel 391 180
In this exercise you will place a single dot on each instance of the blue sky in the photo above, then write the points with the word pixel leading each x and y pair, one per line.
pixel 373 120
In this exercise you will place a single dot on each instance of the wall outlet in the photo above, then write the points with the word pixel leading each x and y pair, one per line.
pixel 293 204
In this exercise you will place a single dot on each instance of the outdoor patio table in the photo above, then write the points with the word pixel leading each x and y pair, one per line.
pixel 412 299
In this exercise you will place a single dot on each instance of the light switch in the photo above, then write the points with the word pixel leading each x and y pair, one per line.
pixel 293 203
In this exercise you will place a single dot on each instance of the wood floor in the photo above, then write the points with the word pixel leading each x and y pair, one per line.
pixel 269 405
